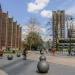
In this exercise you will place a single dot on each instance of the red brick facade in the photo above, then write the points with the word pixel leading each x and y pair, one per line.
pixel 10 32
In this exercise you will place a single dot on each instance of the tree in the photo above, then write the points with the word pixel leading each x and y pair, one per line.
pixel 48 44
pixel 33 40
pixel 33 26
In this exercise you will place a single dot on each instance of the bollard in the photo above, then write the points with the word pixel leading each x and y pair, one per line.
pixel 42 65
pixel 18 55
pixel 42 57
pixel 10 57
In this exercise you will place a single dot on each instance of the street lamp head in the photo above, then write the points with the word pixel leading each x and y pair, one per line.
pixel 71 18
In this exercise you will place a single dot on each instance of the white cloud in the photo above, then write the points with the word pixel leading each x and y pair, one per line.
pixel 46 13
pixel 37 5
pixel 46 38
pixel 71 10
pixel 43 30
pixel 24 31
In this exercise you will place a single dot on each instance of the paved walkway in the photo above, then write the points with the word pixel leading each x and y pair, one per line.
pixel 5 62
pixel 3 73
pixel 59 64
pixel 64 60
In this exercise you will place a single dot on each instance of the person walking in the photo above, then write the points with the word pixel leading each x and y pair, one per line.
pixel 53 51
pixel 1 52
pixel 25 53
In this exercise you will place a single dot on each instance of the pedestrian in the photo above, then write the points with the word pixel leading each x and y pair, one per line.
pixel 41 51
pixel 46 50
pixel 53 51
pixel 1 52
pixel 25 53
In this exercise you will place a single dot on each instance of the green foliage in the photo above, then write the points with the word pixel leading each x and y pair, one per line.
pixel 33 40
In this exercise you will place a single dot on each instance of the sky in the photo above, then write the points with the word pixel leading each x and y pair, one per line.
pixel 23 10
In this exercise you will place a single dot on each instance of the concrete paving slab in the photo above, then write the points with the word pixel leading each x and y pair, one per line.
pixel 5 61
pixel 55 69
pixel 29 67
pixel 3 72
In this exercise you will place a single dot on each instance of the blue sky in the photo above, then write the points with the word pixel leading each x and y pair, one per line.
pixel 23 10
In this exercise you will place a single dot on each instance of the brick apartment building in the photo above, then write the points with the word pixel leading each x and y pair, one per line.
pixel 58 18
pixel 10 32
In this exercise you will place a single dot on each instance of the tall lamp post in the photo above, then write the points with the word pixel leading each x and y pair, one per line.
pixel 49 29
pixel 70 34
